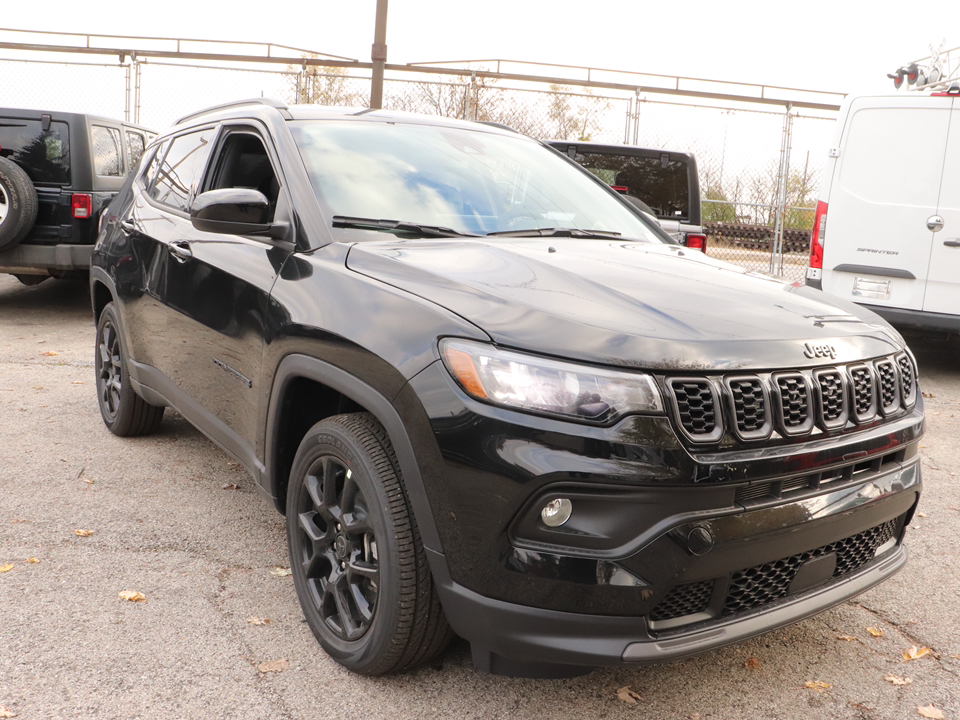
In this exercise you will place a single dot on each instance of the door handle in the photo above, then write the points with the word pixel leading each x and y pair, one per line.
pixel 180 249
pixel 952 243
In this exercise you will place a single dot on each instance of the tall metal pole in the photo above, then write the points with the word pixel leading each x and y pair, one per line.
pixel 378 55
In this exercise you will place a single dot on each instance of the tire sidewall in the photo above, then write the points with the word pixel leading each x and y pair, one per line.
pixel 358 655
pixel 21 200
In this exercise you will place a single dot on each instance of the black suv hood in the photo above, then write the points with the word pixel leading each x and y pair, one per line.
pixel 627 303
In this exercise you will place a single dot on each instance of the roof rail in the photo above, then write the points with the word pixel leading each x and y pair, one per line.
pixel 269 102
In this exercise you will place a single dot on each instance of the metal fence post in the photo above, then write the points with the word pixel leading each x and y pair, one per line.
pixel 128 90
pixel 783 180
pixel 470 104
pixel 136 90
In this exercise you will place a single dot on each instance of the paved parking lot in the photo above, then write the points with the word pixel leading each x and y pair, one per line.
pixel 169 516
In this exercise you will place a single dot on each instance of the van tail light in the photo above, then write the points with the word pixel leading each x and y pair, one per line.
pixel 817 236
pixel 697 242
pixel 82 206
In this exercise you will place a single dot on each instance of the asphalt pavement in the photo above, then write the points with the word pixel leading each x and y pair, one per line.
pixel 86 516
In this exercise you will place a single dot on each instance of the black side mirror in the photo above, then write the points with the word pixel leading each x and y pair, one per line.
pixel 235 211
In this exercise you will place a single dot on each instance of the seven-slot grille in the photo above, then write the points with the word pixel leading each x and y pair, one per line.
pixel 793 402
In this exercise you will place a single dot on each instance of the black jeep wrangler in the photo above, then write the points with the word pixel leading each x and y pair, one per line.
pixel 57 173
pixel 492 399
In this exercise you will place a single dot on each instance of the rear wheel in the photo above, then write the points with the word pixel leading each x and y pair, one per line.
pixel 358 563
pixel 124 412
pixel 18 204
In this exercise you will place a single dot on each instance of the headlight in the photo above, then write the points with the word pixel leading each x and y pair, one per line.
pixel 550 387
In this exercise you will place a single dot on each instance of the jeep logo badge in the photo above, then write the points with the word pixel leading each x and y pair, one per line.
pixel 819 351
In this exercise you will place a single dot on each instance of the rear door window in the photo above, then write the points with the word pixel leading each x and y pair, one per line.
pixel 107 151
pixel 43 154
pixel 661 181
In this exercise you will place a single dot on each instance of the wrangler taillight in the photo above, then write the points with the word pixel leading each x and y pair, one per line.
pixel 82 205
pixel 817 236
pixel 697 242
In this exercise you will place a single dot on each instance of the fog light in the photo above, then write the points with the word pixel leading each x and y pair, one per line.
pixel 556 512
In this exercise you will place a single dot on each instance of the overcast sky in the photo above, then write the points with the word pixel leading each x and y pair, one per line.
pixel 839 45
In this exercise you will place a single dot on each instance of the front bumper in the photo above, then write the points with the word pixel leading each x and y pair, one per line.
pixel 511 639
pixel 770 567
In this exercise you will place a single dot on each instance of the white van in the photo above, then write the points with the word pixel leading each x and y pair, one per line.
pixel 887 228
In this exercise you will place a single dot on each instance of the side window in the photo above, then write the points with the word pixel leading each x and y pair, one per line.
pixel 135 145
pixel 149 174
pixel 244 163
pixel 107 151
pixel 180 169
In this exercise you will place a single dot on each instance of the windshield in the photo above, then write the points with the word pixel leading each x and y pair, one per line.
pixel 467 181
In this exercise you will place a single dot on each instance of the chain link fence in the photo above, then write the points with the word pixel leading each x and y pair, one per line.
pixel 760 170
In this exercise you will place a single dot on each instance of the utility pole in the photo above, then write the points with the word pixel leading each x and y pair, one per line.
pixel 378 55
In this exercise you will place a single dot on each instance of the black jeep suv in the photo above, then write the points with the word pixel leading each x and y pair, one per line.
pixel 491 399
pixel 58 170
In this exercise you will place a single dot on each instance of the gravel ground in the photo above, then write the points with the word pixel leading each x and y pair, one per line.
pixel 171 517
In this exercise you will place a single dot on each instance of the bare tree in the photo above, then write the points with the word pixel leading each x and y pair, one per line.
pixel 320 85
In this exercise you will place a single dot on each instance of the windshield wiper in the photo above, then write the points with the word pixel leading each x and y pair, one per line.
pixel 557 232
pixel 397 226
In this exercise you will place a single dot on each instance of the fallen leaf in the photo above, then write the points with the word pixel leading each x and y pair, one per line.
pixel 817 685
pixel 625 694
pixel 897 680
pixel 929 395
pixel 929 711
pixel 88 481
pixel 915 653
pixel 955 656
pixel 231 486
pixel 281 572
pixel 6 568
pixel 33 560
pixel 132 596
pixel 79 382
pixel 6 712
pixel 84 533
pixel 921 514
pixel 259 621
pixel 752 663
pixel 876 632
pixel 50 353
pixel 848 638
pixel 274 666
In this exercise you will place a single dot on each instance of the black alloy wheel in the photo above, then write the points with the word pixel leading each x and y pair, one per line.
pixel 358 563
pixel 339 552
pixel 124 412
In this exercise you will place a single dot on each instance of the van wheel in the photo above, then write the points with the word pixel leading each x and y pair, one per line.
pixel 358 564
pixel 18 204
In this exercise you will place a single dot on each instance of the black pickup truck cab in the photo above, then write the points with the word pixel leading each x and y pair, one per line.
pixel 492 399
pixel 58 170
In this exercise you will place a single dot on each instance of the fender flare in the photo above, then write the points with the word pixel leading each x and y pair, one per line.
pixel 304 366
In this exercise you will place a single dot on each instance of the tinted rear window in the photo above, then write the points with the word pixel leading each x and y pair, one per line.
pixel 661 184
pixel 44 155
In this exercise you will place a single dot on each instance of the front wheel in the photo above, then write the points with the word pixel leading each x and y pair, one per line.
pixel 124 412
pixel 359 567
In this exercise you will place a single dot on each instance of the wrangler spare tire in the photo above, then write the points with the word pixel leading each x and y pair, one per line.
pixel 18 204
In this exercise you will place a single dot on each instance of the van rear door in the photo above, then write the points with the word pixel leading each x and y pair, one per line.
pixel 943 276
pixel 886 185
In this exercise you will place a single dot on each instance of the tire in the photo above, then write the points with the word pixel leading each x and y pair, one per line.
pixel 18 204
pixel 124 412
pixel 359 566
